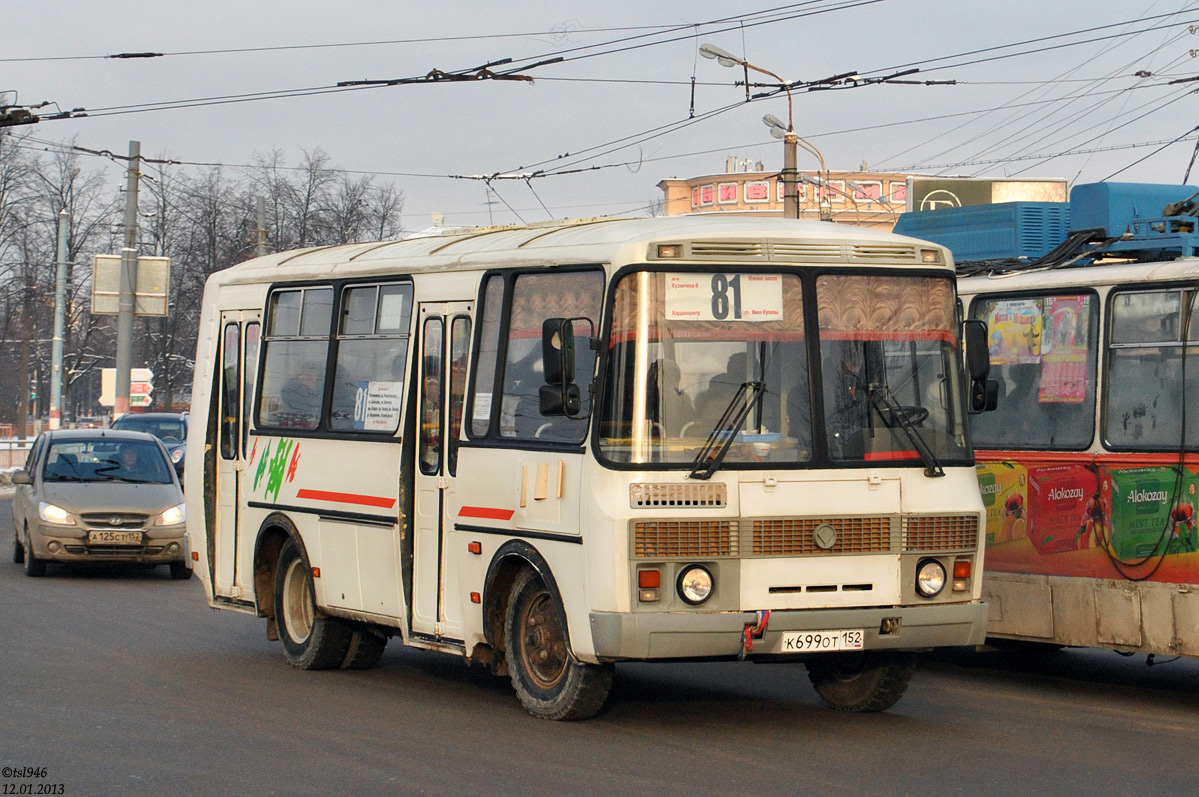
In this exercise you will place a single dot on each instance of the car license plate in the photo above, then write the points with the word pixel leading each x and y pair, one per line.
pixel 114 537
pixel 811 641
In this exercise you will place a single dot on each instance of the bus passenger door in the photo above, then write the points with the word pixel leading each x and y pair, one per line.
pixel 444 341
pixel 240 332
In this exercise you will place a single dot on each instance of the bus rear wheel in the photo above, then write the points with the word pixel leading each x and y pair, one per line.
pixel 310 642
pixel 861 682
pixel 550 683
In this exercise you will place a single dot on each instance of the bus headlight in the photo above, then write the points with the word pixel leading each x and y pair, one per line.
pixel 930 578
pixel 695 584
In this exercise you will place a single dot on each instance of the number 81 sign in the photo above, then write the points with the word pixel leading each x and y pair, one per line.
pixel 724 297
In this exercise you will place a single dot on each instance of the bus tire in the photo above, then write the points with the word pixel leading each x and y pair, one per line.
pixel 310 642
pixel 861 682
pixel 365 650
pixel 550 683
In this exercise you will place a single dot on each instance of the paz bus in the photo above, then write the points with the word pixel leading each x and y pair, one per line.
pixel 1089 468
pixel 548 449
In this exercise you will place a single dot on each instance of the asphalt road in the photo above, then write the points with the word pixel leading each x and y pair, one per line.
pixel 124 682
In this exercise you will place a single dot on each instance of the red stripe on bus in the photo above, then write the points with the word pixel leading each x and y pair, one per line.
pixel 871 456
pixel 490 513
pixel 347 498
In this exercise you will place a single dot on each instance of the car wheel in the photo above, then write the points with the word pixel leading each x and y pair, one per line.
pixel 18 551
pixel 310 642
pixel 34 567
pixel 550 683
pixel 180 571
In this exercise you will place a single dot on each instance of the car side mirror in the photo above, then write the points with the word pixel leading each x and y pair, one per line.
pixel 22 476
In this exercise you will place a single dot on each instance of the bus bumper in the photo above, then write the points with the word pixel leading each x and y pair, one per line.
pixel 679 635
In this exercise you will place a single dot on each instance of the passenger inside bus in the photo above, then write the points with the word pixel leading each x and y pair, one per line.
pixel 665 402
pixel 846 399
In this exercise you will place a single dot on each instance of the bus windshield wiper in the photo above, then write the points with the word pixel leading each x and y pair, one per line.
pixel 708 460
pixel 882 399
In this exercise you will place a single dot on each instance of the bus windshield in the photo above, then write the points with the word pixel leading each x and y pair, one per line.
pixel 703 362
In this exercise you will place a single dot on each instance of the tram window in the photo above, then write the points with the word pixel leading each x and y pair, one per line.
pixel 295 352
pixel 1043 353
pixel 372 352
pixel 1145 395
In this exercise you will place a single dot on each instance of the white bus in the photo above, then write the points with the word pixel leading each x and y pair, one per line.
pixel 551 448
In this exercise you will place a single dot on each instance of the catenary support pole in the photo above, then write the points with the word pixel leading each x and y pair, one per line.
pixel 127 304
pixel 60 311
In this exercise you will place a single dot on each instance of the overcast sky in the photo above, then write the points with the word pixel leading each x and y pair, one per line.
pixel 1054 99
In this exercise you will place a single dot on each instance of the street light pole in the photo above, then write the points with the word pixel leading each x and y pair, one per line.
pixel 791 140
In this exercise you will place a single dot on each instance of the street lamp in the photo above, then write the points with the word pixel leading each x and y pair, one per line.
pixel 787 133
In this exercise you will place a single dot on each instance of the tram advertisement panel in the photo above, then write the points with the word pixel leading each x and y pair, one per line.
pixel 1092 521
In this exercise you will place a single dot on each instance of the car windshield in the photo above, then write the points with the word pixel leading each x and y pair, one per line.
pixel 168 430
pixel 705 369
pixel 102 460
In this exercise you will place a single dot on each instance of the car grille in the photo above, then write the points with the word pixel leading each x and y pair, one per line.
pixel 115 520
pixel 114 550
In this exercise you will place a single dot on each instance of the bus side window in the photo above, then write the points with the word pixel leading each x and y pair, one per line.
pixel 1144 391
pixel 295 350
pixel 535 296
pixel 1044 350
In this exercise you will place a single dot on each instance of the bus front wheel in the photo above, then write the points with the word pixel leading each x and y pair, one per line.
pixel 550 683
pixel 862 682
pixel 310 642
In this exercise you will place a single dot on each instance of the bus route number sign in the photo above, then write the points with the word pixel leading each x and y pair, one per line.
pixel 815 641
pixel 724 297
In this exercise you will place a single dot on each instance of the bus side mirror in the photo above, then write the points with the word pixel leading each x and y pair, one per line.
pixel 559 395
pixel 978 355
pixel 558 351
pixel 984 395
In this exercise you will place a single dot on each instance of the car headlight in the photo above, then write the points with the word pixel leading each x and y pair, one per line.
pixel 695 584
pixel 177 455
pixel 173 516
pixel 54 514
pixel 930 577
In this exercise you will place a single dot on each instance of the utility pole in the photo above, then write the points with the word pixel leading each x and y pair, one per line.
pixel 60 310
pixel 261 249
pixel 127 303
pixel 790 176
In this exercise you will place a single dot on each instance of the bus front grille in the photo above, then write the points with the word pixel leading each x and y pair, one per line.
pixel 690 538
pixel 799 536
pixel 940 533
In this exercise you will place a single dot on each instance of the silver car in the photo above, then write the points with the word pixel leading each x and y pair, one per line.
pixel 98 495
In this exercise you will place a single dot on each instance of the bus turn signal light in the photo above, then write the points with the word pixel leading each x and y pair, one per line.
pixel 961 575
pixel 648 584
pixel 475 547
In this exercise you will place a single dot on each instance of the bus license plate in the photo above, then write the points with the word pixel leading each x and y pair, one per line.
pixel 114 537
pixel 810 641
